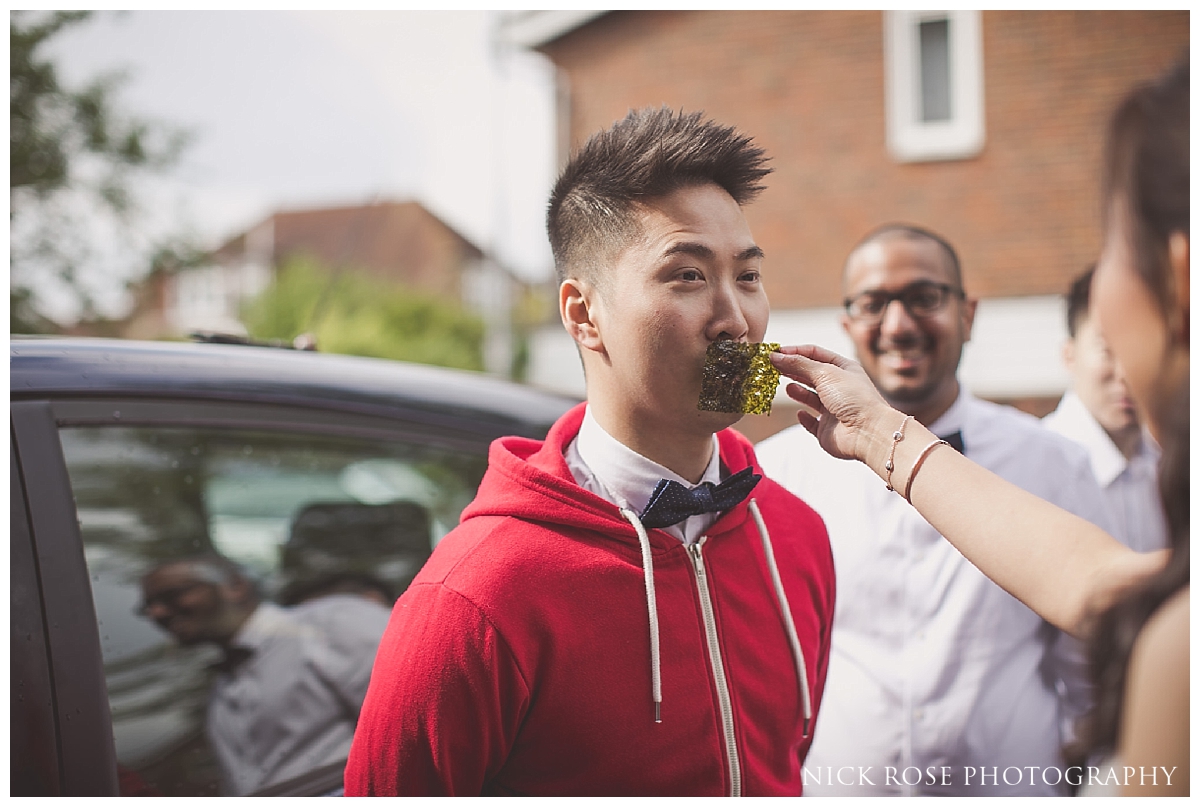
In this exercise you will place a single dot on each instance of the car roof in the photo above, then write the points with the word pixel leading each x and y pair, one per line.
pixel 83 367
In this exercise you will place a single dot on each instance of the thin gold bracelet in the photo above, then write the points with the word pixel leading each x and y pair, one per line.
pixel 897 436
pixel 925 452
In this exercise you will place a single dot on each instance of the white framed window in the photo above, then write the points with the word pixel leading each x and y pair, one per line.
pixel 933 76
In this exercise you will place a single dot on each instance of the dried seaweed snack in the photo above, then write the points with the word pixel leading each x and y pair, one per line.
pixel 739 377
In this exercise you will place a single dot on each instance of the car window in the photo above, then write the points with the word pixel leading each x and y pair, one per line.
pixel 302 540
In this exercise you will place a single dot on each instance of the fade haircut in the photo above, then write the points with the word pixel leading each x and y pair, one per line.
pixel 1079 300
pixel 214 569
pixel 648 154
pixel 912 232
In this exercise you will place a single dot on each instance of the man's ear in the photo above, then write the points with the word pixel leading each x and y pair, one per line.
pixel 575 300
pixel 1068 355
pixel 968 317
pixel 1179 258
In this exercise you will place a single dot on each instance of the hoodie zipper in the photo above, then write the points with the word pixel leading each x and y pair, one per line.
pixel 714 653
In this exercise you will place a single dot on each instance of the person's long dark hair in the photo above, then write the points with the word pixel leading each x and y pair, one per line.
pixel 1147 171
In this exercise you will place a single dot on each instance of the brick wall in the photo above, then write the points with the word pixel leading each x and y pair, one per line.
pixel 809 86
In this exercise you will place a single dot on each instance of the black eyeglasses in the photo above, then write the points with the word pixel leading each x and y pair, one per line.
pixel 169 597
pixel 921 299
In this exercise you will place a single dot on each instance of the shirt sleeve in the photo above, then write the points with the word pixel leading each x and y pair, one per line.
pixel 1068 668
pixel 445 700
pixel 1078 492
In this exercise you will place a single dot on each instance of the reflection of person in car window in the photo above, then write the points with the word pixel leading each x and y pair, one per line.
pixel 287 693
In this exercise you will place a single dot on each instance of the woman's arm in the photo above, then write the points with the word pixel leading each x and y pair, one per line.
pixel 1062 567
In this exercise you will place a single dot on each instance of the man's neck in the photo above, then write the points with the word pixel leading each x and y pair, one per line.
pixel 685 452
pixel 1127 440
pixel 236 619
pixel 927 411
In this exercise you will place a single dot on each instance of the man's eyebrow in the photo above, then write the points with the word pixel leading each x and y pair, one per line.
pixel 692 248
pixel 750 253
pixel 698 250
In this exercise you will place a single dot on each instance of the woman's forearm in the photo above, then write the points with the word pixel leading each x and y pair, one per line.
pixel 1061 566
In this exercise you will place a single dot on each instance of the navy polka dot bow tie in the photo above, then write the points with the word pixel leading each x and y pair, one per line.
pixel 671 502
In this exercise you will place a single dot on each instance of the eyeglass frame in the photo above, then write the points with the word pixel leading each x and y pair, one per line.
pixel 945 289
pixel 169 597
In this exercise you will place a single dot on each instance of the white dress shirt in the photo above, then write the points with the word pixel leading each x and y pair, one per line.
pixel 1130 486
pixel 607 467
pixel 292 705
pixel 938 680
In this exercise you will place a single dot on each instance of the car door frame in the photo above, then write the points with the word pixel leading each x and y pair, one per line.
pixel 78 717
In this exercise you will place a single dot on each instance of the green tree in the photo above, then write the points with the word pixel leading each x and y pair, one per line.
pixel 356 314
pixel 72 156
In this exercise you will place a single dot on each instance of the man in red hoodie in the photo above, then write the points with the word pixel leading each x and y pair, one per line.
pixel 627 608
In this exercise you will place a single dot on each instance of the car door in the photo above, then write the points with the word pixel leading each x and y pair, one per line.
pixel 315 506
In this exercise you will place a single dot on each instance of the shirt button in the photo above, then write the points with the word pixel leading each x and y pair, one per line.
pixel 918 714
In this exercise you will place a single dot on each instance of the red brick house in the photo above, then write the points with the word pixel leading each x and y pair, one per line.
pixel 985 126
pixel 398 241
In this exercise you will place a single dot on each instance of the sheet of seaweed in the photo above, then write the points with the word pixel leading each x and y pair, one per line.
pixel 739 378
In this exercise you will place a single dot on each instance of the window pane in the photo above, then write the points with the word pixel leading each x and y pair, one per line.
pixel 935 70
pixel 325 532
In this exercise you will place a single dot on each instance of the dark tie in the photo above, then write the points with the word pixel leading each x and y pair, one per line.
pixel 956 442
pixel 671 502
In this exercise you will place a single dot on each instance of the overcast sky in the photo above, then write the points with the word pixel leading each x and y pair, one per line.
pixel 313 108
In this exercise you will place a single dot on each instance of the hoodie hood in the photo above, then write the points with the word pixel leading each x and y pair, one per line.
pixel 530 480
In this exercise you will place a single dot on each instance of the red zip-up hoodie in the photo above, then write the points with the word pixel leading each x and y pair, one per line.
pixel 527 656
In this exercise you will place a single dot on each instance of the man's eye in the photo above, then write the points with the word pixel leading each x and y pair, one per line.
pixel 751 276
pixel 923 298
pixel 870 305
pixel 689 274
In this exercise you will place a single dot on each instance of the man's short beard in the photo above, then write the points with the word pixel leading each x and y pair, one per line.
pixel 906 398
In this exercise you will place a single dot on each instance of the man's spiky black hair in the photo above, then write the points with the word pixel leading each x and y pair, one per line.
pixel 648 154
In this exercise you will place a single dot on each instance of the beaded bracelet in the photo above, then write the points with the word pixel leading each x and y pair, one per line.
pixel 917 466
pixel 897 436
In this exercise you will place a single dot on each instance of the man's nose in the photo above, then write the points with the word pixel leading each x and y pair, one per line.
pixel 728 319
pixel 896 319
pixel 156 610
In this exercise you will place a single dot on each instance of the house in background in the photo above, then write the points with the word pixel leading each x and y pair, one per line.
pixel 399 242
pixel 986 126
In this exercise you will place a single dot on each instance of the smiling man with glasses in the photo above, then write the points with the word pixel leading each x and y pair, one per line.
pixel 911 350
pixel 938 679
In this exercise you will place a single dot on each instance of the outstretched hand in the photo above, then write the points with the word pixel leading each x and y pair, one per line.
pixel 850 414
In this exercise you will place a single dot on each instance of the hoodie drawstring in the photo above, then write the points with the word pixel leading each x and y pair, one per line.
pixel 780 597
pixel 788 623
pixel 652 607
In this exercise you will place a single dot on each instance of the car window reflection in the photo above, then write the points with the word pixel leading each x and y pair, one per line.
pixel 204 544
pixel 287 689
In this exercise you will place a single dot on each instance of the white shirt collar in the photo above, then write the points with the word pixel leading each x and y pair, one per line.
pixel 627 479
pixel 267 622
pixel 628 476
pixel 1073 420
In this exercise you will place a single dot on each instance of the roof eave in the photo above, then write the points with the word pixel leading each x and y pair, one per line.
pixel 536 29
